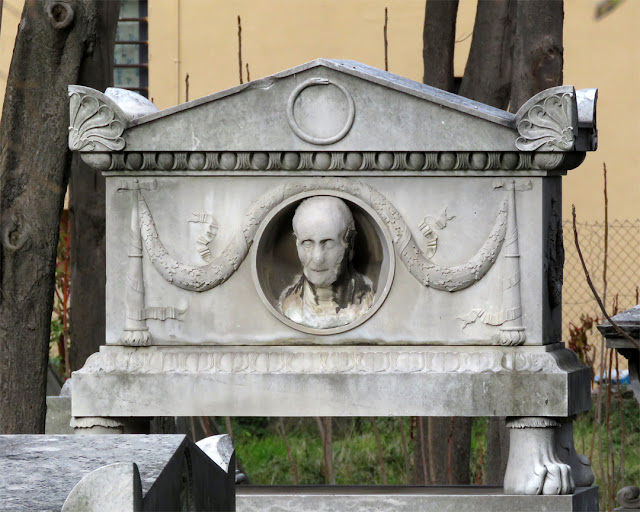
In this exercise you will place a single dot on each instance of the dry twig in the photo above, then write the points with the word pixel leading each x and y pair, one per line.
pixel 593 290
pixel 383 468
pixel 240 48
pixel 386 39
pixel 292 462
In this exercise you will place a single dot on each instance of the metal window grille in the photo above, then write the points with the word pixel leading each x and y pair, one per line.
pixel 131 56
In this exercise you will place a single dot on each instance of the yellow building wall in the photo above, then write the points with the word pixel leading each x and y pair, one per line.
pixel 200 37
pixel 11 12
pixel 280 34
pixel 606 54
pixel 277 35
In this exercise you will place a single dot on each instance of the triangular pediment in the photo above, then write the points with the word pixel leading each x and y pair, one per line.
pixel 337 105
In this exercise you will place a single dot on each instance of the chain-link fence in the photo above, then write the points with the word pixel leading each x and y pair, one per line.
pixel 623 269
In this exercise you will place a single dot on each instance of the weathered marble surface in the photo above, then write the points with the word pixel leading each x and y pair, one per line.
pixel 430 119
pixel 458 206
pixel 112 488
pixel 628 321
pixel 58 415
pixel 233 313
pixel 39 472
pixel 407 499
pixel 204 180
pixel 331 381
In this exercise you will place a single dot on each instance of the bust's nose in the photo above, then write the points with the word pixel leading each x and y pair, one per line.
pixel 317 254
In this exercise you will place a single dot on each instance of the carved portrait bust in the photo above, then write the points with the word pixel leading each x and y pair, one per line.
pixel 329 292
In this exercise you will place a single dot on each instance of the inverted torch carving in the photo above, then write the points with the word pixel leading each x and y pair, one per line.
pixel 511 331
pixel 136 332
pixel 206 277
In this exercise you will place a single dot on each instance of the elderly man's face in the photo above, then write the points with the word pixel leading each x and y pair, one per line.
pixel 321 247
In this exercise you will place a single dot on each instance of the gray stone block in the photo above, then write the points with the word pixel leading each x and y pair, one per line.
pixel 40 472
pixel 332 381
pixel 306 498
pixel 58 415
pixel 115 487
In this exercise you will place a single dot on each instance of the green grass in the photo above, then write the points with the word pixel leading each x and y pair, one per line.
pixel 262 451
pixel 263 454
pixel 584 433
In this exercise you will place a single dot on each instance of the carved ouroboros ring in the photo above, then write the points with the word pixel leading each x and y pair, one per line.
pixel 310 138
pixel 384 280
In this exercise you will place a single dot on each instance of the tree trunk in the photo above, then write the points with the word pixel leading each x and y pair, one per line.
pixel 433 462
pixel 537 57
pixel 497 451
pixel 447 449
pixel 53 39
pixel 487 75
pixel 87 209
pixel 515 53
pixel 438 43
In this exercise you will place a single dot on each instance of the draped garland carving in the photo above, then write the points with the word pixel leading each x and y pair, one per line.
pixel 205 277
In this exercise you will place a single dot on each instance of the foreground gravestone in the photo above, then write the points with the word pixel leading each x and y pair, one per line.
pixel 335 240
pixel 406 499
pixel 629 322
pixel 115 473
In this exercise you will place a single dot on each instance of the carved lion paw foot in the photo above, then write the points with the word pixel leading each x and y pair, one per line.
pixel 533 466
pixel 553 477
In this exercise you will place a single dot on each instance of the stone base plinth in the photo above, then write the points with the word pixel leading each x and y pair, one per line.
pixel 331 381
pixel 406 499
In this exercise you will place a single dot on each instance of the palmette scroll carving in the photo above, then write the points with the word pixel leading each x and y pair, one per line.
pixel 94 125
pixel 206 277
pixel 550 124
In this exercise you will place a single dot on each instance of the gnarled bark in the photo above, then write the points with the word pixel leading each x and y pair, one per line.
pixel 487 75
pixel 54 37
pixel 537 52
pixel 87 209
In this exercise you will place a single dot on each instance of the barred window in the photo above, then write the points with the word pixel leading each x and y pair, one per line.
pixel 131 56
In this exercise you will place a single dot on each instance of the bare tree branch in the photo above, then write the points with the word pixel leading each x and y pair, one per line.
pixel 593 290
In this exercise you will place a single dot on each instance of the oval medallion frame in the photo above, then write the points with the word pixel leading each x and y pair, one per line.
pixel 311 138
pixel 274 248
